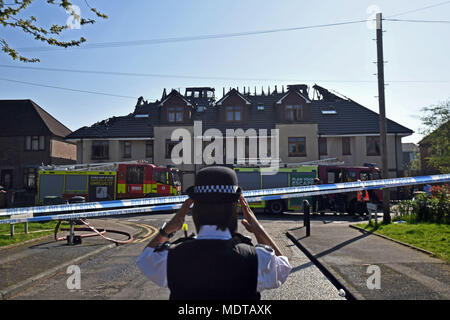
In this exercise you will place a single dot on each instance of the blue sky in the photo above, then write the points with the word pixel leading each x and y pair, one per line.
pixel 414 51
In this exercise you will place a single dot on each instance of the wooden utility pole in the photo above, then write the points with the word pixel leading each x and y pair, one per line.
pixel 383 133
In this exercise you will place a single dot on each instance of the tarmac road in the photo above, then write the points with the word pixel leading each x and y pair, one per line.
pixel 113 274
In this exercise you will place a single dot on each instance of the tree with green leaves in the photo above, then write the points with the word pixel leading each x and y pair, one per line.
pixel 436 128
pixel 13 15
pixel 414 165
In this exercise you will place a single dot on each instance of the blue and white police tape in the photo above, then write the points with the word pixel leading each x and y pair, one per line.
pixel 362 185
pixel 314 190
pixel 165 207
pixel 93 205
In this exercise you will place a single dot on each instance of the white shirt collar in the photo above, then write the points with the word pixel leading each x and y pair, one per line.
pixel 211 232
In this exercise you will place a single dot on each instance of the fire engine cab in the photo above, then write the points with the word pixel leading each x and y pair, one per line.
pixel 107 181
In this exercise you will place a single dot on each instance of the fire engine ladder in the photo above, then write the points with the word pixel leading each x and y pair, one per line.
pixel 90 166
pixel 328 161
pixel 256 162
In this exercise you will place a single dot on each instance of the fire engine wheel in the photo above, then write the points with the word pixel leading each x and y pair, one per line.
pixel 276 207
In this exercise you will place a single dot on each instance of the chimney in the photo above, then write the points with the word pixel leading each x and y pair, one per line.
pixel 164 95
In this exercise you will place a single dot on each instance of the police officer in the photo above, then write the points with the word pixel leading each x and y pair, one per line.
pixel 218 263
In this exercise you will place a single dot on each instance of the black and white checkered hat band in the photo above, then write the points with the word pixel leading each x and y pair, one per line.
pixel 216 189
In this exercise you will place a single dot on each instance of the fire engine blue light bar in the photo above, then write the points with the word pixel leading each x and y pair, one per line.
pixel 164 203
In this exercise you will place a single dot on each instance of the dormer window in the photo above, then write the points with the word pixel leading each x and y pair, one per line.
pixel 328 110
pixel 233 113
pixel 294 113
pixel 201 108
pixel 175 114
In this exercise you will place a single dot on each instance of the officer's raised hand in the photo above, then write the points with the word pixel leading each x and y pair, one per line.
pixel 177 220
pixel 252 225
pixel 249 222
pixel 172 226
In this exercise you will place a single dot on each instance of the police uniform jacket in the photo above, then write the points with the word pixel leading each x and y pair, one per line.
pixel 214 265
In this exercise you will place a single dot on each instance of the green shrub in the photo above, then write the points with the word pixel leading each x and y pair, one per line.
pixel 425 208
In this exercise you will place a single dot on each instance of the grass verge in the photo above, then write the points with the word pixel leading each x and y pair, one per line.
pixel 35 230
pixel 429 236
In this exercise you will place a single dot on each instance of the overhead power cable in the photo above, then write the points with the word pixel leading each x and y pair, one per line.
pixel 419 9
pixel 156 75
pixel 422 21
pixel 212 36
pixel 68 89
pixel 189 38
pixel 117 44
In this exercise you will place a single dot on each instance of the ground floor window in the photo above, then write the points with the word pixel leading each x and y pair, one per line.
pixel 373 146
pixel 346 146
pixel 169 146
pixel 127 149
pixel 6 178
pixel 323 146
pixel 149 149
pixel 297 146
pixel 100 150
pixel 30 177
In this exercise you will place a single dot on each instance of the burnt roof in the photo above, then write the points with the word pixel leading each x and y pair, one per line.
pixel 116 127
pixel 25 117
pixel 350 118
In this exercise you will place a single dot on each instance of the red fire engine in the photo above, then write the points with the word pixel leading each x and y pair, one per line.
pixel 107 181
pixel 348 202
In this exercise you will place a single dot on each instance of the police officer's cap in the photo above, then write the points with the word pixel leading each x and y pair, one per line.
pixel 215 184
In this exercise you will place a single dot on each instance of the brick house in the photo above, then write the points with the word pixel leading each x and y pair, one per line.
pixel 30 137
pixel 315 126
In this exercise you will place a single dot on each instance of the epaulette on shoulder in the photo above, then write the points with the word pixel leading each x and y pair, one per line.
pixel 167 245
pixel 162 247
pixel 265 247
pixel 183 239
pixel 242 239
